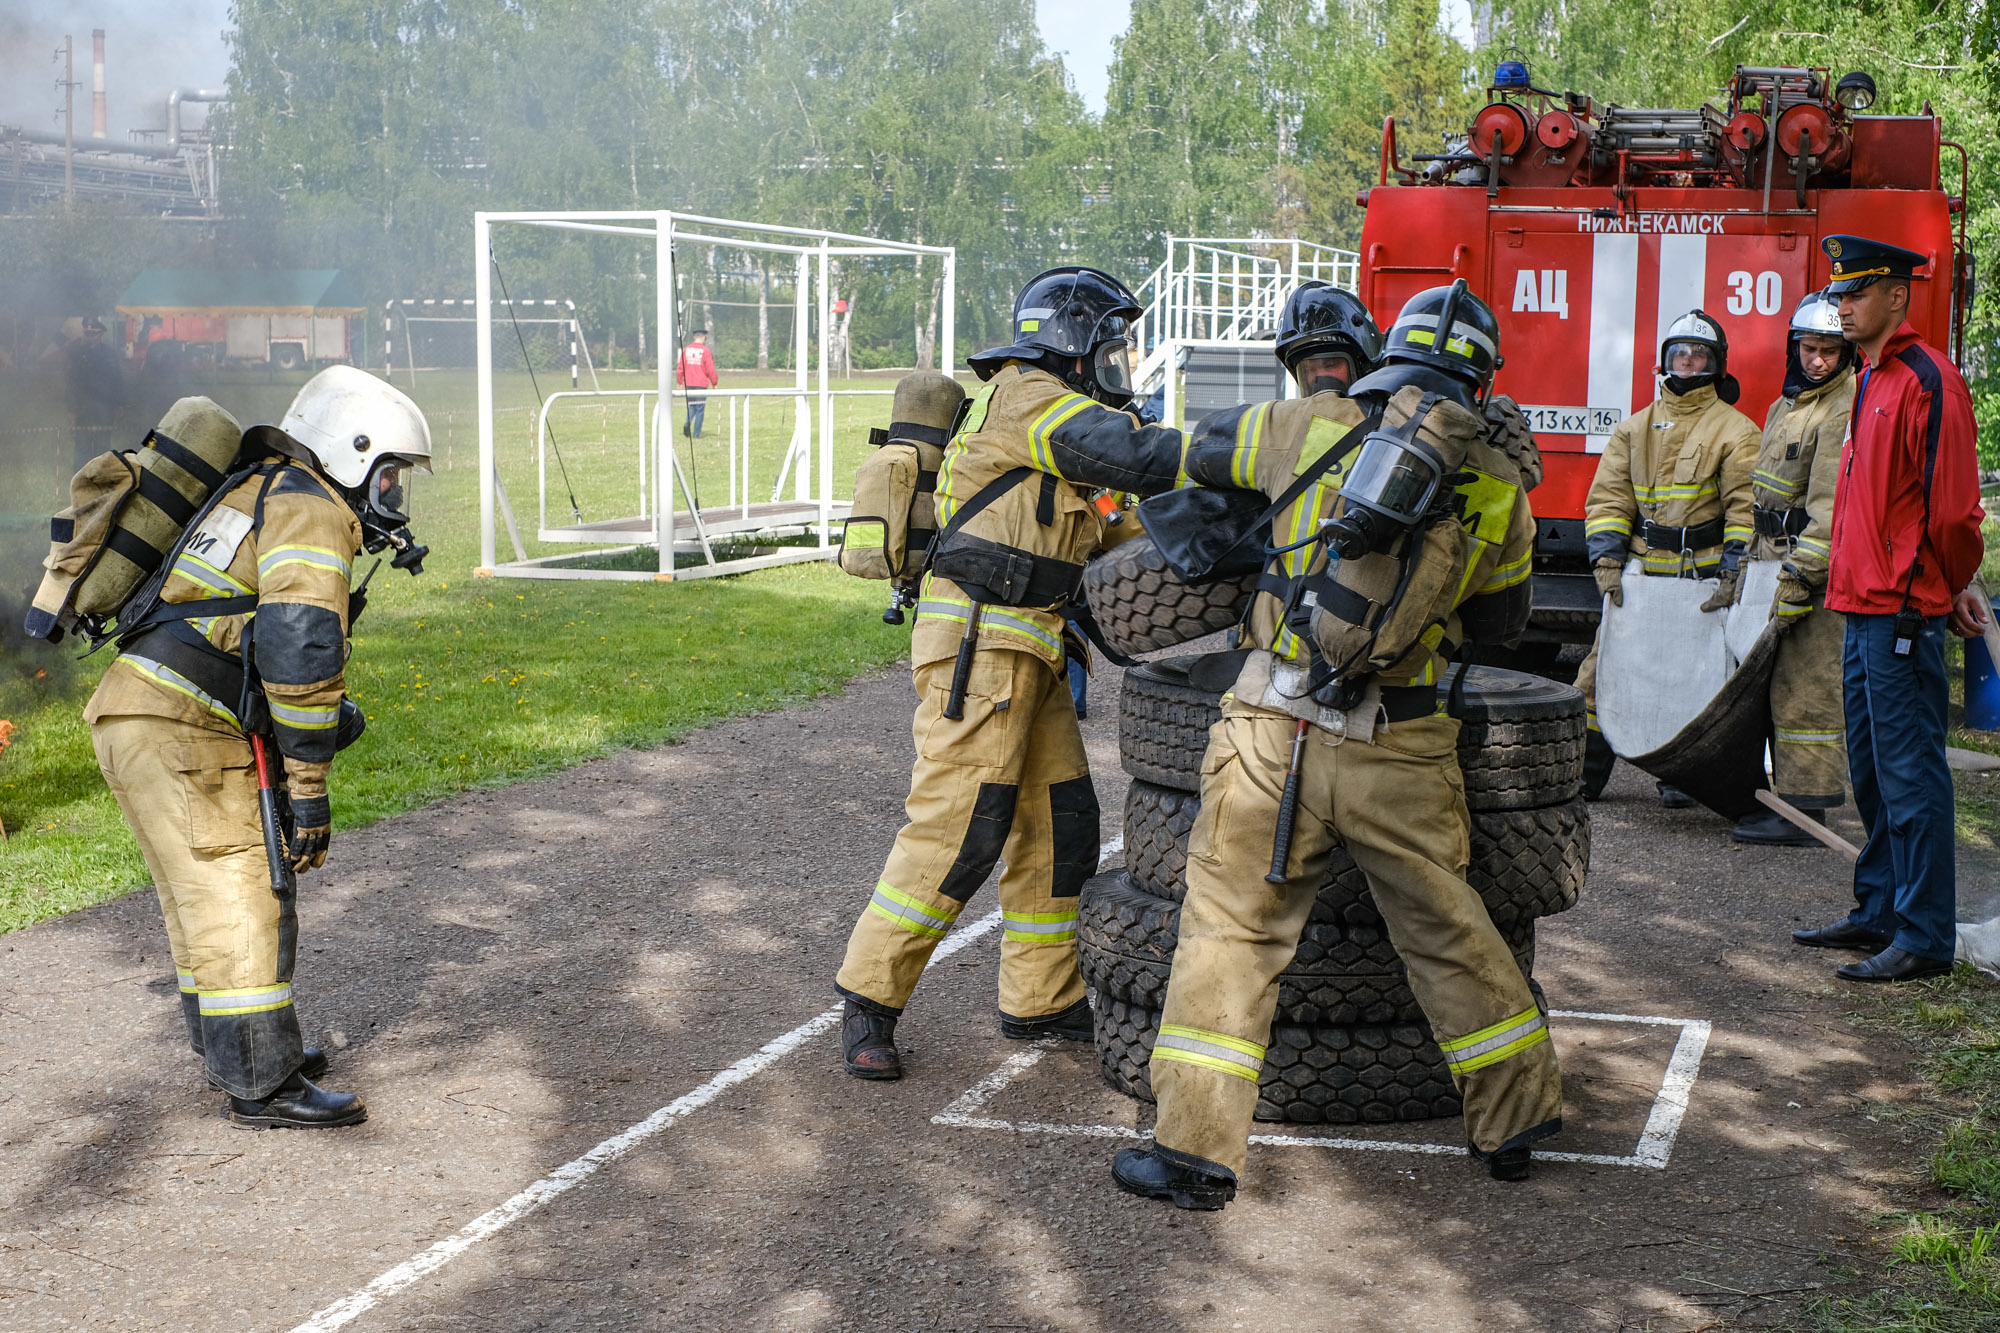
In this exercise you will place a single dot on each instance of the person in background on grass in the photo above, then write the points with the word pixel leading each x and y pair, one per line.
pixel 1906 548
pixel 696 371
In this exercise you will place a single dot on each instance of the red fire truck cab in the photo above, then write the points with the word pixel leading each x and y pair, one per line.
pixel 1590 228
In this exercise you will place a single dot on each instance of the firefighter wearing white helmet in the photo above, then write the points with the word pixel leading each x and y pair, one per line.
pixel 244 634
pixel 1672 492
pixel 1792 492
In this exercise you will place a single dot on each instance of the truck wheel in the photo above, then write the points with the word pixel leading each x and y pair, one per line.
pixel 1343 974
pixel 1312 1075
pixel 1525 863
pixel 1520 745
pixel 288 356
pixel 1142 607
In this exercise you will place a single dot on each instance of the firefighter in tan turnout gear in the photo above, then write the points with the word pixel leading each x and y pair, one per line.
pixel 1797 465
pixel 1672 491
pixel 248 635
pixel 1434 541
pixel 1000 767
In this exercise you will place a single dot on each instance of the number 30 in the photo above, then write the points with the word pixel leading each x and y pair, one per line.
pixel 1766 290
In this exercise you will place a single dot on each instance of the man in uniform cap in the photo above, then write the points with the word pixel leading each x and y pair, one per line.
pixel 1906 544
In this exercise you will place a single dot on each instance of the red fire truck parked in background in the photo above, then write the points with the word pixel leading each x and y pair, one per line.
pixel 1589 228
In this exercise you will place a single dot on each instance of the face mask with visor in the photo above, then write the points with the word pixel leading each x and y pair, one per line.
pixel 1111 365
pixel 1395 478
pixel 384 522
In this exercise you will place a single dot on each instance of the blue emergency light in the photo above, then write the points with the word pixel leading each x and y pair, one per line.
pixel 1511 76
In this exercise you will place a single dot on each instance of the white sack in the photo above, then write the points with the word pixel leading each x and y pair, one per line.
pixel 1660 660
pixel 1979 945
pixel 1752 611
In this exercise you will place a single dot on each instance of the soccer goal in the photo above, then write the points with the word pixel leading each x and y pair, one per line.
pixel 436 333
pixel 629 454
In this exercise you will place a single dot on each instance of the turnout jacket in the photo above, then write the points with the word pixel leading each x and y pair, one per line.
pixel 1266 446
pixel 1910 408
pixel 1683 462
pixel 1792 488
pixel 1071 446
pixel 297 566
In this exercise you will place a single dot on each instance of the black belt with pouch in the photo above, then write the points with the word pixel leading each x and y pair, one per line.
pixel 1697 538
pixel 1780 524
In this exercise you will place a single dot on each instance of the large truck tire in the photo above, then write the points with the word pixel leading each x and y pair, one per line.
pixel 1312 1075
pixel 1525 863
pixel 1141 606
pixel 1342 975
pixel 1520 743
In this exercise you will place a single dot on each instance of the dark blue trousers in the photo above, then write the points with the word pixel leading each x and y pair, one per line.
pixel 697 405
pixel 1905 884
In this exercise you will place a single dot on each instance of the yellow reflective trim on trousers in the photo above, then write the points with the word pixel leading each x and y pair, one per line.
pixel 1062 410
pixel 1039 927
pixel 249 1000
pixel 1810 737
pixel 305 719
pixel 1209 1050
pixel 1490 1045
pixel 912 914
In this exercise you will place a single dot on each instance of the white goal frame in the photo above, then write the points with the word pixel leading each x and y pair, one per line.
pixel 668 527
pixel 455 310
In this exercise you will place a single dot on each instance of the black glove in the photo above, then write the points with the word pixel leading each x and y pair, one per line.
pixel 313 816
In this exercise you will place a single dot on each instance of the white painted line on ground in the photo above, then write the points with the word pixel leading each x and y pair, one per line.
pixel 571 1174
pixel 1656 1141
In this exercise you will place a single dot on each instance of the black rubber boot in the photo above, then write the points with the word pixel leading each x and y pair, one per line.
pixel 298 1104
pixel 1165 1174
pixel 1598 761
pixel 1510 1163
pixel 1768 828
pixel 1072 1024
pixel 868 1042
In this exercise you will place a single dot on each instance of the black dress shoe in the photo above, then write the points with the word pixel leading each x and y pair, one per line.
pixel 298 1103
pixel 1072 1024
pixel 868 1042
pixel 1673 798
pixel 1894 964
pixel 312 1066
pixel 1841 935
pixel 1768 828
pixel 1162 1174
pixel 1509 1163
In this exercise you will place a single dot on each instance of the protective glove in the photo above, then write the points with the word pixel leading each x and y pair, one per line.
pixel 1610 575
pixel 1728 582
pixel 313 817
pixel 1795 597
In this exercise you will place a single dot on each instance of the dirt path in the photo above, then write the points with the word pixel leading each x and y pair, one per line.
pixel 513 977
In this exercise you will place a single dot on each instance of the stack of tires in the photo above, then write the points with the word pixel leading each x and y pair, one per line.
pixel 1349 1043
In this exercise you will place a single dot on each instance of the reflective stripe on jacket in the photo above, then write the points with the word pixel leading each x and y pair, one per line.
pixel 1797 463
pixel 1682 461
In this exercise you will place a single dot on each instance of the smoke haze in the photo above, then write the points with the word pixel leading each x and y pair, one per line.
pixel 151 48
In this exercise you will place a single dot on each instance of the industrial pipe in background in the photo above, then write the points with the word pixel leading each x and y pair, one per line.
pixel 174 100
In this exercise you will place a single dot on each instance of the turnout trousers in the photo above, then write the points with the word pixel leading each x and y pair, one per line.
pixel 190 796
pixel 1009 778
pixel 1905 884
pixel 1399 808
pixel 1808 751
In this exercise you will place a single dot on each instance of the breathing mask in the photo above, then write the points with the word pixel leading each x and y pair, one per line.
pixel 1394 480
pixel 379 504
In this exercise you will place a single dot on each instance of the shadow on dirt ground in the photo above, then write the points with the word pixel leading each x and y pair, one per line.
pixel 513 976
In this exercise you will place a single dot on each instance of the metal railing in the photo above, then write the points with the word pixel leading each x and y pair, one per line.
pixel 1227 289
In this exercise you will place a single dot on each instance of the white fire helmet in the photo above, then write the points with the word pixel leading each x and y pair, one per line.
pixel 352 422
pixel 1818 313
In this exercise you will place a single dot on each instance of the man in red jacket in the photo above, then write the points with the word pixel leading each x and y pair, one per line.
pixel 1906 544
pixel 696 371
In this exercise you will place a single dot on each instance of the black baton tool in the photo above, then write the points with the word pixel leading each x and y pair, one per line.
pixel 961 670
pixel 1288 809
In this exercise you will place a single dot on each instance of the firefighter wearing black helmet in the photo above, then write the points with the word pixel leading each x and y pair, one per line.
pixel 1326 338
pixel 1000 767
pixel 1673 493
pixel 1339 687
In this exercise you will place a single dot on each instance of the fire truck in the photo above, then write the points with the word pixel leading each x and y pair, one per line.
pixel 1589 228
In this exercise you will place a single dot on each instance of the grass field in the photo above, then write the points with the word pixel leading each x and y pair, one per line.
pixel 466 682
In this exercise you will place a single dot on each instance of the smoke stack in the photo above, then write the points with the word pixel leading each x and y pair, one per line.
pixel 98 128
